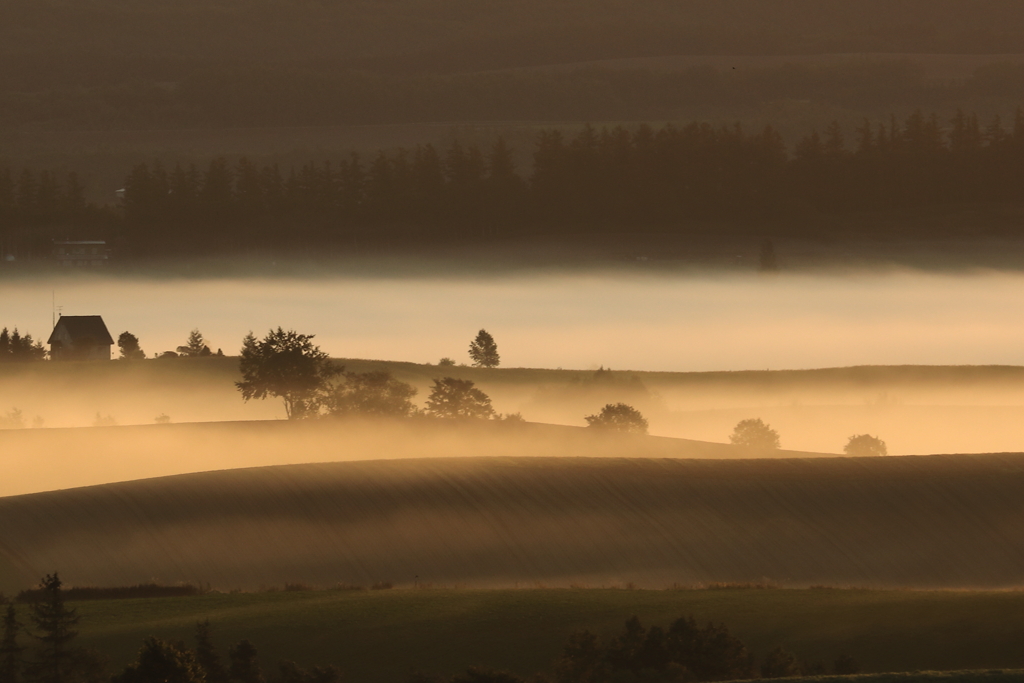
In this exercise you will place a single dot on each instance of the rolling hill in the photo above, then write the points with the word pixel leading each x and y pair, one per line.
pixel 947 521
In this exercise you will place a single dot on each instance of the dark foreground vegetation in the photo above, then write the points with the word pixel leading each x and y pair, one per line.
pixel 678 180
pixel 682 652
pixel 537 635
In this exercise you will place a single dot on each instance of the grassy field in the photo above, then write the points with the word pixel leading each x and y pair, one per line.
pixel 924 522
pixel 384 635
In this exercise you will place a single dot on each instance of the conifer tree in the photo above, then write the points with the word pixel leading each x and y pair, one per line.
pixel 55 630
pixel 195 346
pixel 10 651
pixel 207 655
pixel 484 351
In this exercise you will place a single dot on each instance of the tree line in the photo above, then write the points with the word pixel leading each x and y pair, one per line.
pixel 684 652
pixel 17 348
pixel 672 178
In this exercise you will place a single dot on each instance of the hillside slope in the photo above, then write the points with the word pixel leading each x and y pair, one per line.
pixel 929 521
pixel 37 460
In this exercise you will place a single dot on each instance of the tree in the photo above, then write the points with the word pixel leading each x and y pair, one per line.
pixel 286 365
pixel 14 347
pixel 683 652
pixel 13 419
pixel 162 662
pixel 55 625
pixel 371 393
pixel 244 668
pixel 780 664
pixel 10 651
pixel 865 445
pixel 195 346
pixel 754 433
pixel 618 417
pixel 129 345
pixel 484 351
pixel 452 397
pixel 207 656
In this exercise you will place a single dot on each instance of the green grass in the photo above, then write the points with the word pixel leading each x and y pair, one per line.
pixel 383 635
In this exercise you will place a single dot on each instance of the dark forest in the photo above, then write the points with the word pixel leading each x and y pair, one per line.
pixel 669 179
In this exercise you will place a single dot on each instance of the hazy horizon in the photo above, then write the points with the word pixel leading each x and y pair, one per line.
pixel 583 319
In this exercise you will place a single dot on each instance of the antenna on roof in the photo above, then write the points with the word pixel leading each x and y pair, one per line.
pixel 53 307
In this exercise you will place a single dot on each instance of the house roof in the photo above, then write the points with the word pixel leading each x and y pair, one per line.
pixel 82 327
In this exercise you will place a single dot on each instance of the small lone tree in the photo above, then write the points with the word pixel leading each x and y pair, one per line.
pixel 484 351
pixel 450 397
pixel 754 433
pixel 371 393
pixel 129 345
pixel 289 366
pixel 55 626
pixel 195 346
pixel 10 651
pixel 865 445
pixel 618 417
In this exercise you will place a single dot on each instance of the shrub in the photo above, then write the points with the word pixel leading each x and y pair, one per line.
pixel 162 662
pixel 371 393
pixel 683 652
pixel 779 664
pixel 865 445
pixel 452 397
pixel 618 417
pixel 104 421
pixel 754 433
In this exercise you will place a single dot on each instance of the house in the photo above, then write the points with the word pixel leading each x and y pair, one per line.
pixel 80 337
pixel 91 253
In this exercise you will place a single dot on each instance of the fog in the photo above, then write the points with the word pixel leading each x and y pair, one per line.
pixel 635 322
pixel 624 319
pixel 48 459
pixel 945 522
